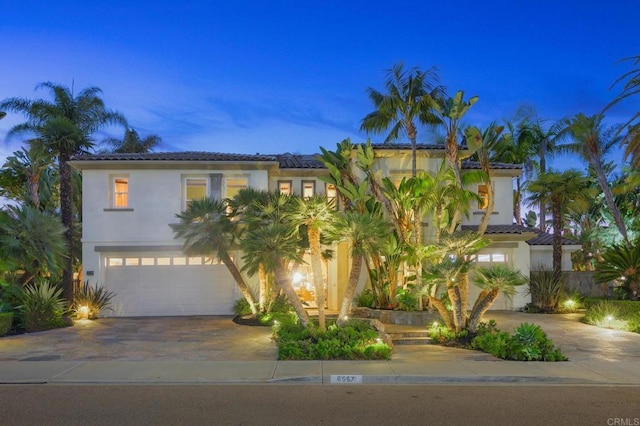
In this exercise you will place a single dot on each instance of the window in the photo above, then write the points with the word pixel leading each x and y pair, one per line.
pixel 308 188
pixel 489 258
pixel 483 193
pixel 195 189
pixel 332 195
pixel 234 185
pixel 285 187
pixel 120 188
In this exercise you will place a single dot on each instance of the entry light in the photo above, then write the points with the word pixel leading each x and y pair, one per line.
pixel 83 312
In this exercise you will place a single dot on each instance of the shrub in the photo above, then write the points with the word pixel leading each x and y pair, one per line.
pixel 366 299
pixel 90 301
pixel 241 307
pixel 41 307
pixel 354 340
pixel 545 289
pixel 620 264
pixel 570 301
pixel 407 300
pixel 617 314
pixel 528 343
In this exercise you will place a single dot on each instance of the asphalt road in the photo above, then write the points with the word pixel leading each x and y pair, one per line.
pixel 319 405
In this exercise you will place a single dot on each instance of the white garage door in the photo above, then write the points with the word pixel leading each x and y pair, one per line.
pixel 168 285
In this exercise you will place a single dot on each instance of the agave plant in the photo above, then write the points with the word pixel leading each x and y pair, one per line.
pixel 89 301
pixel 546 289
pixel 41 306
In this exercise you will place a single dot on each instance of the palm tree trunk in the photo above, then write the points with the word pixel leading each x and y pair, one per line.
pixel 608 196
pixel 557 238
pixel 349 292
pixel 66 215
pixel 482 305
pixel 284 283
pixel 262 297
pixel 456 308
pixel 446 314
pixel 517 202
pixel 318 277
pixel 484 223
pixel 242 285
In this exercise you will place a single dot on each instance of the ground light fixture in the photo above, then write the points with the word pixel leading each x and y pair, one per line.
pixel 609 319
pixel 83 312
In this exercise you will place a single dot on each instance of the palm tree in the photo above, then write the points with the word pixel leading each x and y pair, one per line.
pixel 565 192
pixel 207 228
pixel 621 263
pixel 631 87
pixel 132 143
pixel 65 126
pixel 364 231
pixel 33 241
pixel 591 144
pixel 410 99
pixel 317 215
pixel 25 166
pixel 492 280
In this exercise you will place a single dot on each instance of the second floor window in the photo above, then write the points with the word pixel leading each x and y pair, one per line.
pixel 332 195
pixel 285 187
pixel 120 192
pixel 195 189
pixel 234 185
pixel 308 188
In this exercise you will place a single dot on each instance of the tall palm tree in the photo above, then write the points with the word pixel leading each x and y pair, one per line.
pixel 132 143
pixel 318 216
pixel 410 99
pixel 207 228
pixel 591 144
pixel 65 124
pixel 631 87
pixel 565 192
pixel 364 231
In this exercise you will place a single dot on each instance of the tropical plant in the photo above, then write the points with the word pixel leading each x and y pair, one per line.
pixel 131 143
pixel 65 126
pixel 41 306
pixel 89 302
pixel 318 217
pixel 32 241
pixel 410 99
pixel 207 229
pixel 565 192
pixel 546 288
pixel 365 231
pixel 591 143
pixel 620 264
pixel 605 313
pixel 492 280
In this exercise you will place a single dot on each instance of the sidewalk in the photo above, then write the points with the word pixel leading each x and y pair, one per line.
pixel 596 356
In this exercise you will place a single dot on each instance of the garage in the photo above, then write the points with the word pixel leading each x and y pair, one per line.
pixel 168 284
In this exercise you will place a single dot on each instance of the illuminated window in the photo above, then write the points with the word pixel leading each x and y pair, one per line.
pixel 179 260
pixel 147 261
pixel 195 189
pixel 490 258
pixel 195 261
pixel 483 193
pixel 120 192
pixel 332 195
pixel 285 187
pixel 115 261
pixel 163 261
pixel 234 185
pixel 308 188
pixel 132 261
pixel 211 261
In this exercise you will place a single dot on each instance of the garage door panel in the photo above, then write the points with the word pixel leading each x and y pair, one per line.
pixel 170 290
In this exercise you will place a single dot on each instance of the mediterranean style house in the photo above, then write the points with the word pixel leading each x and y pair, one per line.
pixel 129 201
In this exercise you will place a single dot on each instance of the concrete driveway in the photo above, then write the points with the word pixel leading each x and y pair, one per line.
pixel 198 338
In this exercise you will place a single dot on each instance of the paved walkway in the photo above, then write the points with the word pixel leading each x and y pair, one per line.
pixel 215 350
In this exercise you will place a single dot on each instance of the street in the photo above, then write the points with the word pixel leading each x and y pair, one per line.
pixel 299 404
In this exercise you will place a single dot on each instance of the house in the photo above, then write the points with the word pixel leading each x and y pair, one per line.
pixel 129 201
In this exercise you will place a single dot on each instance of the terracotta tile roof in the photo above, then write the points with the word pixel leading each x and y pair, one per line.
pixel 299 161
pixel 541 238
pixel 419 146
pixel 175 156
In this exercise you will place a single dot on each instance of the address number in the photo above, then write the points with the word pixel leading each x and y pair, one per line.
pixel 346 379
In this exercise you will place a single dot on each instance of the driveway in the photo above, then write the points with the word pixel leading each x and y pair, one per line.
pixel 198 338
pixel 215 338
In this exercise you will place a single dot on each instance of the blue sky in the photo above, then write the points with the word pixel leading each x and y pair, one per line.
pixel 278 76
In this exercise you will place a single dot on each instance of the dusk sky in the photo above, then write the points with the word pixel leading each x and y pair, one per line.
pixel 290 76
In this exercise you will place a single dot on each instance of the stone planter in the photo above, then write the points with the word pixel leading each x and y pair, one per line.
pixel 398 317
pixel 6 318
